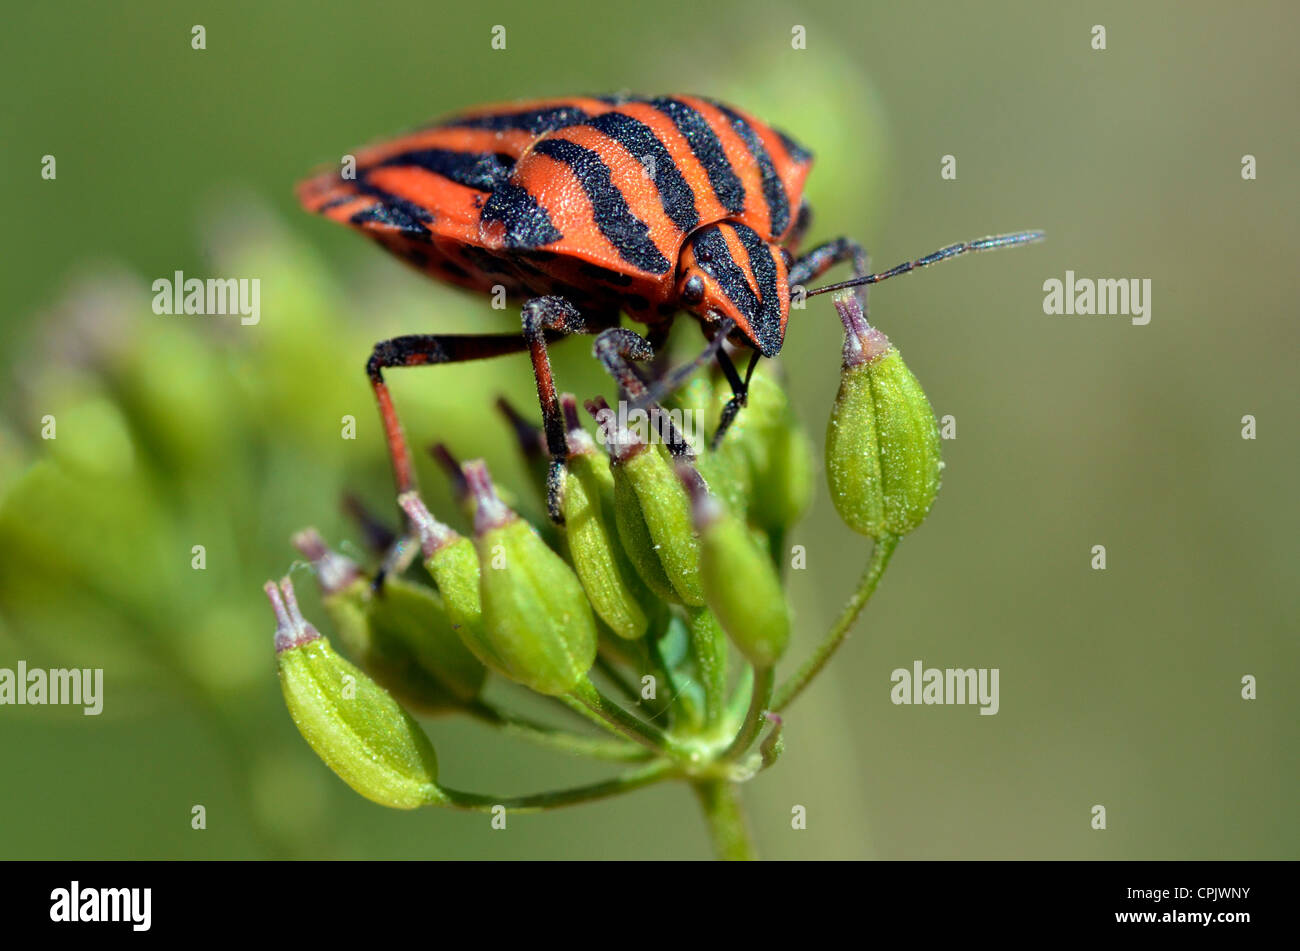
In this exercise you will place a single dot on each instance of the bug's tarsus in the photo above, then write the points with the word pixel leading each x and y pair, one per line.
pixel 399 557
pixel 990 243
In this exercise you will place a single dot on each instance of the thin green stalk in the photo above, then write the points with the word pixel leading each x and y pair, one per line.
pixel 615 676
pixel 671 691
pixel 555 799
pixel 544 735
pixel 586 694
pixel 759 699
pixel 709 644
pixel 720 801
pixel 882 551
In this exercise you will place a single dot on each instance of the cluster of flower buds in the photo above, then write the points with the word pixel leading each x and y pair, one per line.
pixel 665 571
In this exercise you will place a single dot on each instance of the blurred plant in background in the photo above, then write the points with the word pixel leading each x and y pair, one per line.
pixel 156 463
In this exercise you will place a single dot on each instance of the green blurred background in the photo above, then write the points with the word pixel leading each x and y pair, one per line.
pixel 1119 687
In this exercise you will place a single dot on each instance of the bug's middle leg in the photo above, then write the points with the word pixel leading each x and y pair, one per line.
pixel 544 319
pixel 551 317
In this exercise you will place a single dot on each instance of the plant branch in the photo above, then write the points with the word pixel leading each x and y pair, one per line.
pixel 881 552
pixel 720 801
pixel 544 735
pixel 759 698
pixel 555 799
pixel 587 695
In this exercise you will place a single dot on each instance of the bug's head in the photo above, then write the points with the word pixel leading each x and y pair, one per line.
pixel 728 270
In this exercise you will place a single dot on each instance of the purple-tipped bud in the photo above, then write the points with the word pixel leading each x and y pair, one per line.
pixel 489 511
pixel 444 458
pixel 378 536
pixel 862 342
pixel 434 535
pixel 531 438
pixel 334 571
pixel 579 440
pixel 291 628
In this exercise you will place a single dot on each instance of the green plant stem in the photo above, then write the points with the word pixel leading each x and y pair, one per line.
pixel 709 644
pixel 587 695
pixel 881 552
pixel 524 728
pixel 759 699
pixel 615 677
pixel 555 799
pixel 671 690
pixel 720 801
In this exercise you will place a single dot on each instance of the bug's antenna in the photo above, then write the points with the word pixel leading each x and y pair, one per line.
pixel 991 243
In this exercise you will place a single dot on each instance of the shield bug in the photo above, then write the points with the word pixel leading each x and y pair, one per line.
pixel 587 208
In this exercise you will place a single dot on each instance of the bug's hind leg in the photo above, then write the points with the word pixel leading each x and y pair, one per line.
pixel 424 350
pixel 411 351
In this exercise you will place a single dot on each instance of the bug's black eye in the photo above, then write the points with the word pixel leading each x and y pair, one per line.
pixel 693 290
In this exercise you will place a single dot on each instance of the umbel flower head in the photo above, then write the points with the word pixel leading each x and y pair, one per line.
pixel 656 609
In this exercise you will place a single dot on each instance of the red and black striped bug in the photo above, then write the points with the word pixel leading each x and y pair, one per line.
pixel 586 208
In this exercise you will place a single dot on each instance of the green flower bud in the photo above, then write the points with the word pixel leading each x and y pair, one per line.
pixel 882 444
pixel 784 489
pixel 400 634
pixel 452 562
pixel 536 616
pixel 351 723
pixel 611 582
pixel 740 582
pixel 652 512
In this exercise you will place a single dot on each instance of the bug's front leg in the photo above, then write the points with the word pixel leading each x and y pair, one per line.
pixel 618 349
pixel 739 393
pixel 825 256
